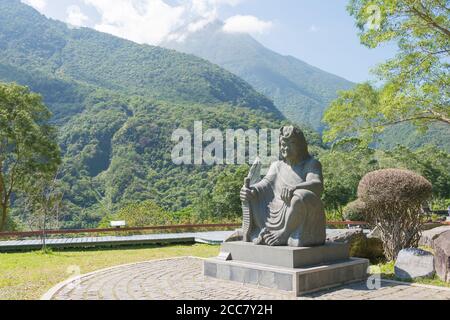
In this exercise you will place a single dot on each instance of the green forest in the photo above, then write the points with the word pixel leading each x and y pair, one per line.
pixel 115 104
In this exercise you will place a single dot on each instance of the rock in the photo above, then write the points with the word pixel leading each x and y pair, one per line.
pixel 414 263
pixel 369 248
pixel 360 245
pixel 429 236
pixel 238 235
pixel 343 235
pixel 372 249
pixel 442 253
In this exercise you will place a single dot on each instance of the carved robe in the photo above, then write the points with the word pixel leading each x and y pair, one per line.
pixel 303 218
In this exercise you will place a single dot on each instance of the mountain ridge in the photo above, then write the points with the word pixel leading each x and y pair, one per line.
pixel 52 47
pixel 300 91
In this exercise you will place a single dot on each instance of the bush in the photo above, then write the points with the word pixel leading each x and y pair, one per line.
pixel 393 199
pixel 355 211
pixel 143 214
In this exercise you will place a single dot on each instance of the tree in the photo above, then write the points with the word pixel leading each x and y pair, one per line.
pixel 226 192
pixel 143 214
pixel 43 203
pixel 429 161
pixel 354 114
pixel 415 82
pixel 222 202
pixel 344 166
pixel 27 142
pixel 392 200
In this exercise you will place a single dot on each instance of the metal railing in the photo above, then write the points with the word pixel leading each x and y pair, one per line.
pixel 28 234
pixel 114 230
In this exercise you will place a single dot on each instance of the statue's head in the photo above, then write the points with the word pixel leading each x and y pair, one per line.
pixel 293 145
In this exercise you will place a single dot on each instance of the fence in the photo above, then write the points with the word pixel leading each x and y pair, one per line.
pixel 29 234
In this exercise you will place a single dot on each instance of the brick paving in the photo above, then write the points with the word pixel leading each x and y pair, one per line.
pixel 181 278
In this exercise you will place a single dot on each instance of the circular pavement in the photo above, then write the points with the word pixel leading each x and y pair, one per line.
pixel 182 279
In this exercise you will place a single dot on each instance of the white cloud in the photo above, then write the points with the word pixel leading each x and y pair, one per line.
pixel 75 17
pixel 153 21
pixel 206 8
pixel 37 4
pixel 246 24
pixel 142 21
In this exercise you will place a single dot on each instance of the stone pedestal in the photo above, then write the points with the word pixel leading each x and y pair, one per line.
pixel 298 270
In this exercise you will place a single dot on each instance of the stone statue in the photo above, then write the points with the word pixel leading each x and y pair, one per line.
pixel 285 207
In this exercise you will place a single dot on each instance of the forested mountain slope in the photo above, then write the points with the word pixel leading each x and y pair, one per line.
pixel 116 104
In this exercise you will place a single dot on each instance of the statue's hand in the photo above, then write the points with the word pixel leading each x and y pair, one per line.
pixel 287 194
pixel 247 194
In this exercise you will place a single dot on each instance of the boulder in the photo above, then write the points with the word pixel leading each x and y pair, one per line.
pixel 429 236
pixel 442 256
pixel 414 263
pixel 360 245
pixel 344 235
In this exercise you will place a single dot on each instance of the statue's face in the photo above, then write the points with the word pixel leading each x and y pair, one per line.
pixel 289 150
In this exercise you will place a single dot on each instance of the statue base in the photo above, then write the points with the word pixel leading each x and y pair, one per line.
pixel 297 270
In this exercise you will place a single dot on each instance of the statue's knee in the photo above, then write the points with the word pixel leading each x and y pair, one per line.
pixel 301 197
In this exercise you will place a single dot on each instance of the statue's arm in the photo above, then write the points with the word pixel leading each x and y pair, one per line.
pixel 314 179
pixel 268 179
pixel 260 187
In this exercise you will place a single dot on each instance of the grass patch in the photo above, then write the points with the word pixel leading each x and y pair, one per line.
pixel 387 272
pixel 27 276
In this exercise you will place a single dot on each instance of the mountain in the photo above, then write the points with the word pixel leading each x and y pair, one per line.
pixel 300 91
pixel 438 134
pixel 31 42
pixel 116 104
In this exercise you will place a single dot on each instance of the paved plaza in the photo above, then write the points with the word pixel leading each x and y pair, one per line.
pixel 181 278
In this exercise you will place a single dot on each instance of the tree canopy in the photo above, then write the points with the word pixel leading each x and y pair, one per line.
pixel 415 83
pixel 27 142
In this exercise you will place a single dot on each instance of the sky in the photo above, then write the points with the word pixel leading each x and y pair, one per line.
pixel 319 32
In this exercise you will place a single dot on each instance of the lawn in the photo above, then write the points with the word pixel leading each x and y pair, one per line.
pixel 27 276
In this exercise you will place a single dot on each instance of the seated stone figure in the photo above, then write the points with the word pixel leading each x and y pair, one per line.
pixel 285 207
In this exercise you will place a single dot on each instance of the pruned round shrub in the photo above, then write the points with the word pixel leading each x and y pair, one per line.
pixel 355 211
pixel 393 199
pixel 384 187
